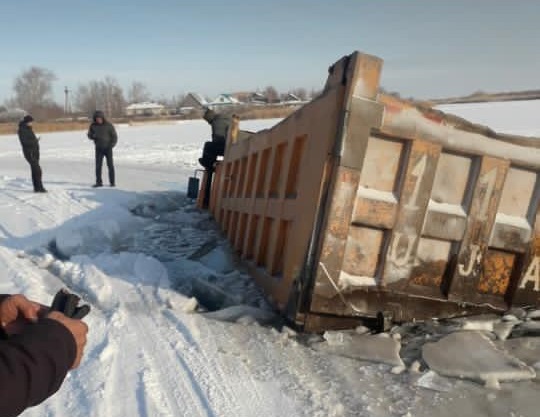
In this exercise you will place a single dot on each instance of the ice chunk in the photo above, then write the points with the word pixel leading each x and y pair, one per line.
pixel 362 330
pixel 518 312
pixel 503 329
pixel 219 260
pixel 334 338
pixel 526 349
pixel 101 236
pixel 234 313
pixel 364 347
pixel 415 367
pixel 190 306
pixel 471 355
pixel 510 318
pixel 533 315
pixel 481 323
pixel 212 296
pixel 527 328
pixel 433 381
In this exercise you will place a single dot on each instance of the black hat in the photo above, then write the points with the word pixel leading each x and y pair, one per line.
pixel 27 119
pixel 100 114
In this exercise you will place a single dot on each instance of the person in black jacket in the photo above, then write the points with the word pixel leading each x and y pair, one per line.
pixel 220 124
pixel 37 349
pixel 104 135
pixel 30 147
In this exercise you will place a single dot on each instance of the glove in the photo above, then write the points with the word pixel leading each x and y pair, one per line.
pixel 67 303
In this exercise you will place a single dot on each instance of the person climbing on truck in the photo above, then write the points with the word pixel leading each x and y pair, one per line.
pixel 220 124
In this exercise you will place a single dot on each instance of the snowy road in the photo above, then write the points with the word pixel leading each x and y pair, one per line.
pixel 128 251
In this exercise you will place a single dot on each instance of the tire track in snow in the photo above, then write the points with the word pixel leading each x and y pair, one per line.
pixel 183 393
pixel 207 377
pixel 238 390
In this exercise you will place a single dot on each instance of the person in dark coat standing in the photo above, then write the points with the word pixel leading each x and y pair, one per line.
pixel 103 133
pixel 30 148
pixel 220 124
pixel 37 349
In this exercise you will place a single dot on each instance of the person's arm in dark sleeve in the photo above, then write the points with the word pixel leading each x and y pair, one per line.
pixel 3 334
pixel 33 365
pixel 91 133
pixel 114 136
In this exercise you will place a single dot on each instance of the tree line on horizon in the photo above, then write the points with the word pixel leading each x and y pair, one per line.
pixel 33 93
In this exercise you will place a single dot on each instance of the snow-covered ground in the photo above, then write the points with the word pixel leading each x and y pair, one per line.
pixel 142 255
pixel 515 117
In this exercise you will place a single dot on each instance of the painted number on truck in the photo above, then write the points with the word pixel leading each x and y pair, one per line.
pixel 532 274
pixel 475 257
pixel 418 173
pixel 400 255
pixel 488 184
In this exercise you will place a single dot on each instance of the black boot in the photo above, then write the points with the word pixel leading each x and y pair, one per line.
pixel 208 165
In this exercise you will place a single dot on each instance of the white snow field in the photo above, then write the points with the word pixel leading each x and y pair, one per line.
pixel 150 264
pixel 514 117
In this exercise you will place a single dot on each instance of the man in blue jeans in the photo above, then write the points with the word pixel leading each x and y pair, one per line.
pixel 104 135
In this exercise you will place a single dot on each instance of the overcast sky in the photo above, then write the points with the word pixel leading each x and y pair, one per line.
pixel 431 48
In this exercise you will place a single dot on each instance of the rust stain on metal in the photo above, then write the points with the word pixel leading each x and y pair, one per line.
pixel 497 272
pixel 428 274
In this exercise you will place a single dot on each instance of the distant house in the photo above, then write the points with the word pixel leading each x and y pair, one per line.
pixel 243 96
pixel 194 100
pixel 291 98
pixel 145 109
pixel 258 98
pixel 223 100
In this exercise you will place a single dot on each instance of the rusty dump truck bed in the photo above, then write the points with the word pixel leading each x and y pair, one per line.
pixel 359 204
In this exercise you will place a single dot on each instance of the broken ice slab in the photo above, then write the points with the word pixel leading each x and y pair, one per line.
pixel 484 322
pixel 527 328
pixel 533 315
pixel 364 347
pixel 218 259
pixel 234 313
pixel 435 382
pixel 503 329
pixel 212 296
pixel 471 355
pixel 526 349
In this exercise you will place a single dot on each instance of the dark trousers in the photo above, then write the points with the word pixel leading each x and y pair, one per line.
pixel 211 151
pixel 107 154
pixel 32 156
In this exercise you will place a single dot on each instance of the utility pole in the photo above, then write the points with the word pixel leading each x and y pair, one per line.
pixel 66 102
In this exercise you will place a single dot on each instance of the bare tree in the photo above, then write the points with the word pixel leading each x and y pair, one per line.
pixel 301 93
pixel 271 94
pixel 138 92
pixel 114 102
pixel 106 95
pixel 33 90
pixel 314 93
pixel 87 97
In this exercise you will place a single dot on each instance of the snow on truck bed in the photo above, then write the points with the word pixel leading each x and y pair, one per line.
pixel 150 264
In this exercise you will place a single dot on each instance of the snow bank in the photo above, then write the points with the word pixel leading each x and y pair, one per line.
pixel 103 235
